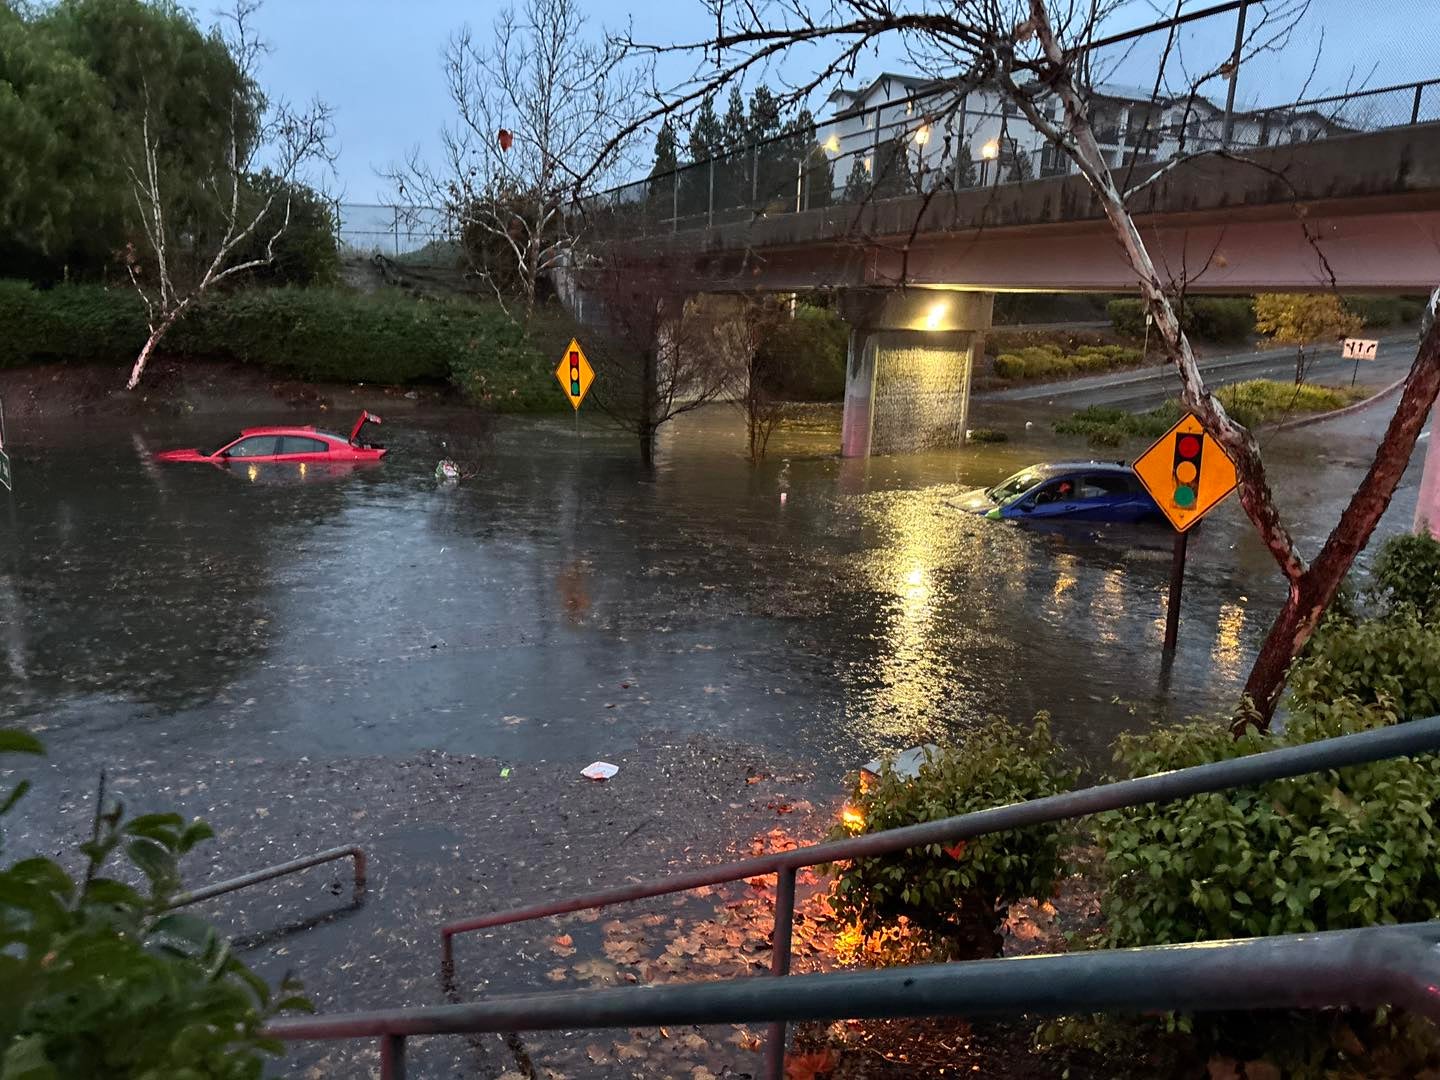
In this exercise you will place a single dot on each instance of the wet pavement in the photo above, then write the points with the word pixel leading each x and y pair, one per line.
pixel 316 659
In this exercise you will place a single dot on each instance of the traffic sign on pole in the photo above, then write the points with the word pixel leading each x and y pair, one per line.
pixel 575 374
pixel 1186 472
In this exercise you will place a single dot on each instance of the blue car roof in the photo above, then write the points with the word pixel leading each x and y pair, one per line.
pixel 1052 468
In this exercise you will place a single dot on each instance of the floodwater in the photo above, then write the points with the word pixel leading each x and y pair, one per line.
pixel 562 602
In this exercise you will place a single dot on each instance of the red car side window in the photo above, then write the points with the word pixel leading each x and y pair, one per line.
pixel 255 446
pixel 296 444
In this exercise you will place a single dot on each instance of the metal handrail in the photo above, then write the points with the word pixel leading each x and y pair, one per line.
pixel 1363 968
pixel 1418 736
pixel 269 873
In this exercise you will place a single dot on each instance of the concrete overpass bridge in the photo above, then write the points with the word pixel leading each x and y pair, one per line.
pixel 916 275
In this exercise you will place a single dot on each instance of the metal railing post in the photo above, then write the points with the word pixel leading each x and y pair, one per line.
pixel 392 1057
pixel 675 201
pixel 799 186
pixel 755 170
pixel 1229 128
pixel 1415 108
pixel 780 966
pixel 710 209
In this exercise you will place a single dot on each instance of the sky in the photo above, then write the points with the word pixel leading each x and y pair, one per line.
pixel 377 62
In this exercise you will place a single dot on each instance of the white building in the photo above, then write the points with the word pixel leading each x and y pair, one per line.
pixel 979 138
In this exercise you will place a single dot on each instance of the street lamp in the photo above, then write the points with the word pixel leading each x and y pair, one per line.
pixel 988 153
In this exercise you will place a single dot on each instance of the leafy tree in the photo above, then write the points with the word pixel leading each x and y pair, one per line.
pixel 100 978
pixel 661 194
pixel 61 202
pixel 306 252
pixel 857 184
pixel 893 174
pixel 1302 320
pixel 1020 167
pixel 707 134
pixel 735 132
pixel 765 119
pixel 667 156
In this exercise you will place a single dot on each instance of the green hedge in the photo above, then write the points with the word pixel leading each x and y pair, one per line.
pixel 1048 361
pixel 320 334
pixel 1385 310
pixel 1223 320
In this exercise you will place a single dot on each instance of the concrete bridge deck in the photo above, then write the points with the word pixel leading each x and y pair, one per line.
pixel 1363 208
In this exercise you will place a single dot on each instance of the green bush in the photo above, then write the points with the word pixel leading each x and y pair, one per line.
pixel 1050 361
pixel 321 334
pixel 1106 425
pixel 1328 851
pixel 952 893
pixel 70 324
pixel 1383 311
pixel 986 435
pixel 807 355
pixel 1010 366
pixel 1388 655
pixel 98 979
pixel 1223 320
pixel 1127 316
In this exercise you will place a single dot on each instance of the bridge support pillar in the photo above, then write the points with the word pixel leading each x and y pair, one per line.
pixel 907 379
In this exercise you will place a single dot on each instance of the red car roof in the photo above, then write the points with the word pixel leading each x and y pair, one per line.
pixel 308 429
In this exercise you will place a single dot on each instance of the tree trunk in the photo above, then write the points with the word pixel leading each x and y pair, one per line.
pixel 647 421
pixel 1312 591
pixel 150 343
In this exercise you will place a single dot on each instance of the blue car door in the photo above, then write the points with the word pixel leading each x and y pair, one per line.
pixel 1106 496
pixel 1056 498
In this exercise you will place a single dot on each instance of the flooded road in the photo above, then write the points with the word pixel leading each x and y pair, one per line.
pixel 561 603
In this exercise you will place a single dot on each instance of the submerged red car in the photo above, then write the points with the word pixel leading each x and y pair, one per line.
pixel 307 444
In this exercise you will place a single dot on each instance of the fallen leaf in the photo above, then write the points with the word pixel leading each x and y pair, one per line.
pixel 556 974
pixel 809 1066
pixel 596 1054
pixel 957 850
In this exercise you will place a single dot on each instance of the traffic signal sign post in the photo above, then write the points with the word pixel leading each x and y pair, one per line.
pixel 1187 473
pixel 575 374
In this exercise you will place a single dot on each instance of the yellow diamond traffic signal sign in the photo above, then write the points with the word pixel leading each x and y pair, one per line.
pixel 1186 472
pixel 575 374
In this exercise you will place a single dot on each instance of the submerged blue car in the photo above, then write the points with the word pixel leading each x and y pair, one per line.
pixel 1074 491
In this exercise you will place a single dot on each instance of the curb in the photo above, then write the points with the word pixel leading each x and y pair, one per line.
pixel 1306 421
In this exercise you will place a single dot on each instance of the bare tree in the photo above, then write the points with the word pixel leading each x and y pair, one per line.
pixel 1037 54
pixel 754 378
pixel 289 142
pixel 537 107
pixel 658 355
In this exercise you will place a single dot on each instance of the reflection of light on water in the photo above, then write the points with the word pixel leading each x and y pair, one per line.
pixel 302 468
pixel 1225 655
pixel 1108 606
pixel 253 472
pixel 1064 579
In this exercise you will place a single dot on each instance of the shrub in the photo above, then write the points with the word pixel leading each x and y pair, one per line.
pixel 951 893
pixel 99 980
pixel 1332 850
pixel 1382 311
pixel 808 354
pixel 321 334
pixel 1388 656
pixel 1010 366
pixel 1106 425
pixel 69 324
pixel 1127 316
pixel 1224 320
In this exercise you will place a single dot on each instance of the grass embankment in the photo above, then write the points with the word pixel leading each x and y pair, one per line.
pixel 1252 403
pixel 314 334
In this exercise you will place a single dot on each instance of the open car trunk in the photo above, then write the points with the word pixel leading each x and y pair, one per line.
pixel 358 435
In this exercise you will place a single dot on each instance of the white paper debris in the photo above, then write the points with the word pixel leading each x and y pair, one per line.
pixel 599 770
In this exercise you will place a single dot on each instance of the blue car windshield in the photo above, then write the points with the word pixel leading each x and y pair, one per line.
pixel 1018 484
